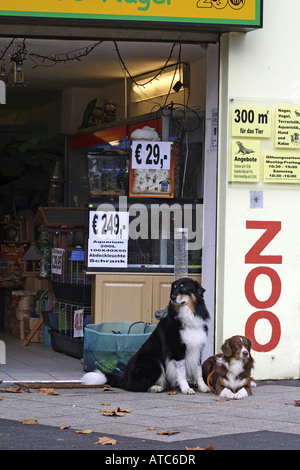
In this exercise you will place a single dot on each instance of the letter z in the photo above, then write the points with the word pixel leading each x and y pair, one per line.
pixel 254 255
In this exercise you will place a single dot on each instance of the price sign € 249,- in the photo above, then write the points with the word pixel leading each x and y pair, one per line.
pixel 108 239
pixel 109 225
pixel 151 155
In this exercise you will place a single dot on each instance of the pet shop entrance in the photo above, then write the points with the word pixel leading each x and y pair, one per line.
pixel 137 292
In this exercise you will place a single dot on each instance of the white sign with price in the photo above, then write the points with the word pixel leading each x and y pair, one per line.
pixel 109 225
pixel 57 260
pixel 108 239
pixel 151 155
pixel 78 324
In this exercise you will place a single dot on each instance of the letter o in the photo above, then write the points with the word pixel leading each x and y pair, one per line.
pixel 276 330
pixel 249 287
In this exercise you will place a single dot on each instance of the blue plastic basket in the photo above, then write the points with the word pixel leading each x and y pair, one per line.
pixel 109 346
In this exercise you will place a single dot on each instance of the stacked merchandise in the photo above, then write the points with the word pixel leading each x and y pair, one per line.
pixel 67 315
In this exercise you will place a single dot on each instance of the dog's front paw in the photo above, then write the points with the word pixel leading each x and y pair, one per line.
pixel 156 389
pixel 188 391
pixel 226 393
pixel 242 393
pixel 203 388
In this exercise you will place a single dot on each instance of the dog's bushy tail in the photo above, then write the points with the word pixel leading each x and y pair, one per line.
pixel 94 378
pixel 98 378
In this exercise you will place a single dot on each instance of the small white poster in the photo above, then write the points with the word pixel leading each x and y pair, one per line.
pixel 107 254
pixel 57 260
pixel 108 239
pixel 151 155
pixel 78 323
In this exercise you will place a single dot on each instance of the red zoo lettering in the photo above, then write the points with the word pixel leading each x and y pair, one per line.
pixel 276 330
pixel 250 282
pixel 254 256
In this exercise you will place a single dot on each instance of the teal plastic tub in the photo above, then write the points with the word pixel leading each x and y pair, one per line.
pixel 109 346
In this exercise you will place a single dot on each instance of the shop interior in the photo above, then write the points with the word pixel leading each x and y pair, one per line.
pixel 72 109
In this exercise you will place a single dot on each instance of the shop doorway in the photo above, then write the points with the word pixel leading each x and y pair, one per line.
pixel 75 107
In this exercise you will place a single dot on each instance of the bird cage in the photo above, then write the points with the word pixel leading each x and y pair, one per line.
pixel 70 266
pixel 68 274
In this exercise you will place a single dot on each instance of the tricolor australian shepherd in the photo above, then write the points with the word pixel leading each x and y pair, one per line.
pixel 171 356
pixel 228 374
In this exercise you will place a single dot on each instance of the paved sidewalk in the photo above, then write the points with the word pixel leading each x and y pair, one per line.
pixel 267 420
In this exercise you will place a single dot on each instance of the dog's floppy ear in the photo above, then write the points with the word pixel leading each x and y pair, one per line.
pixel 226 348
pixel 200 289
pixel 248 342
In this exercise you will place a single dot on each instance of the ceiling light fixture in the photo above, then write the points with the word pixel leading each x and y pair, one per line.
pixel 151 85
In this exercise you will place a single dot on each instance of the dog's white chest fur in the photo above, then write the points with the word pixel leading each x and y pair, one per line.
pixel 193 336
pixel 234 369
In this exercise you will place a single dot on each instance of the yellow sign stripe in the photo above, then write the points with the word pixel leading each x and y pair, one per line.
pixel 198 11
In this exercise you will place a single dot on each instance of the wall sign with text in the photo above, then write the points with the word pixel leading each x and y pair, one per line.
pixel 245 161
pixel 251 122
pixel 265 144
pixel 281 168
pixel 246 13
pixel 287 127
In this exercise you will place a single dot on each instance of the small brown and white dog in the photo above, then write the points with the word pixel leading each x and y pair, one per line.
pixel 228 374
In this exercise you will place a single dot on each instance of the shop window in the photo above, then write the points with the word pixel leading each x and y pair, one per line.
pixel 153 221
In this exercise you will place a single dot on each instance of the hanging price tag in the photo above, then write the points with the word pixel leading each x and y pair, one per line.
pixel 151 155
pixel 78 323
pixel 57 260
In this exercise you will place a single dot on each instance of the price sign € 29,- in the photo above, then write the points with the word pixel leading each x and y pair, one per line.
pixel 151 155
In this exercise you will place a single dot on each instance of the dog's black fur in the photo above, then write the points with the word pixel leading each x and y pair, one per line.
pixel 162 361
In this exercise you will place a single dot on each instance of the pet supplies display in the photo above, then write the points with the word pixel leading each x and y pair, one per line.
pixel 109 346
pixel 108 173
pixel 66 324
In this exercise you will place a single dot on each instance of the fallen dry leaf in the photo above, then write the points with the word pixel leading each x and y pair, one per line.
pixel 64 427
pixel 116 412
pixel 211 447
pixel 167 433
pixel 15 390
pixel 112 413
pixel 221 399
pixel 85 431
pixel 105 404
pixel 30 421
pixel 172 393
pixel 297 402
pixel 151 428
pixel 106 441
pixel 49 391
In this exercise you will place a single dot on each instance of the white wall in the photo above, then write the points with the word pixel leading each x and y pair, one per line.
pixel 75 100
pixel 260 68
